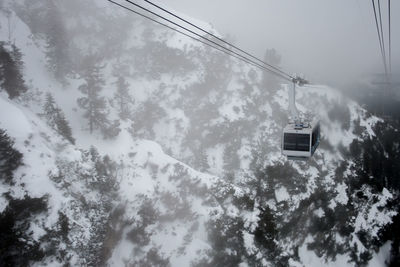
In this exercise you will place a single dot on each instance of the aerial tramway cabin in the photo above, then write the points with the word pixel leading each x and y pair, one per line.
pixel 299 141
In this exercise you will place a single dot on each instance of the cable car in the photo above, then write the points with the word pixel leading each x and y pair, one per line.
pixel 299 139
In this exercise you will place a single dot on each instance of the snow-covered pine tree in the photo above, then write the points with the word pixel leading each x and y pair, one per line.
pixel 16 55
pixel 106 170
pixel 123 99
pixel 105 174
pixel 56 119
pixel 63 127
pixel 230 156
pixel 50 110
pixel 93 104
pixel 10 158
pixel 201 161
pixel 94 153
pixel 11 66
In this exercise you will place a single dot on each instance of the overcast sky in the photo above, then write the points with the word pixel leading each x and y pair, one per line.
pixel 327 40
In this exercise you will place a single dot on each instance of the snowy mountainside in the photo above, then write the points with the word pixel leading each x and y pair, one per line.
pixel 63 173
pixel 132 199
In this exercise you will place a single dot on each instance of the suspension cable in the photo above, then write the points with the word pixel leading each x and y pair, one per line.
pixel 219 45
pixel 390 40
pixel 226 51
pixel 379 34
pixel 383 37
pixel 218 38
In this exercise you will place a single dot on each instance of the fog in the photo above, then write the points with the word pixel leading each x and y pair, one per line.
pixel 122 144
pixel 332 42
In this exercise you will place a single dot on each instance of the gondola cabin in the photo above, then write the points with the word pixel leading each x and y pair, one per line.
pixel 299 141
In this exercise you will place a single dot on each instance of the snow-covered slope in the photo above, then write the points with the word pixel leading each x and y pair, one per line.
pixel 151 184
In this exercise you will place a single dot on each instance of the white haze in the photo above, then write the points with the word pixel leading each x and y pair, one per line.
pixel 328 41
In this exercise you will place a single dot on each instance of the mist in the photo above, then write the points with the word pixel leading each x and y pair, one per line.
pixel 330 42
pixel 124 143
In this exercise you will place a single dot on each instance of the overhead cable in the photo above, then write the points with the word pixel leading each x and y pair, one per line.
pixel 216 37
pixel 390 39
pixel 382 35
pixel 226 51
pixel 379 35
pixel 211 41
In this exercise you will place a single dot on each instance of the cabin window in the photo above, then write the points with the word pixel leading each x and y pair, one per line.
pixel 296 142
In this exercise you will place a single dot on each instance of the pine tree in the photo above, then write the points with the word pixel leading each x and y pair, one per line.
pixel 94 153
pixel 123 98
pixel 92 102
pixel 11 67
pixel 56 119
pixel 16 55
pixel 106 171
pixel 201 160
pixel 10 158
pixel 63 127
pixel 230 156
pixel 50 109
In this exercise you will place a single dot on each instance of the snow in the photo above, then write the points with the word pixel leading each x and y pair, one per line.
pixel 215 159
pixel 341 197
pixel 282 97
pixel 37 155
pixel 14 121
pixel 34 73
pixel 122 252
pixel 146 171
pixel 374 218
pixel 251 219
pixel 3 200
pixel 379 259
pixel 244 154
pixel 232 110
pixel 310 259
pixel 336 136
pixel 281 194
pixel 201 24
pixel 172 238
pixel 319 213
pixel 249 243
pixel 293 263
pixel 369 122
pixel 172 129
